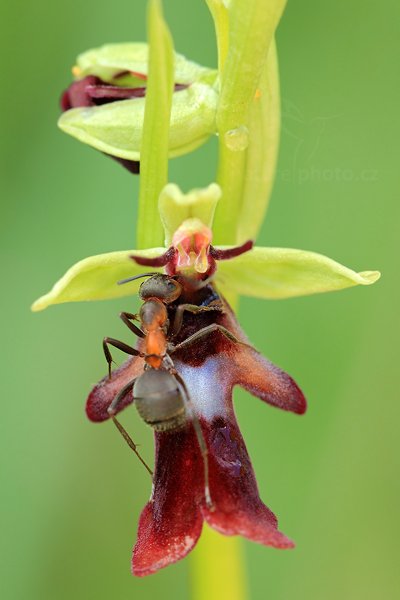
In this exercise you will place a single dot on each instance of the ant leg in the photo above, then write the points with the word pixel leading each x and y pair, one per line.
pixel 193 308
pixel 121 346
pixel 113 408
pixel 127 318
pixel 205 332
pixel 130 443
pixel 200 438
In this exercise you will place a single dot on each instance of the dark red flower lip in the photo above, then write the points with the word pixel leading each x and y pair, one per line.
pixel 172 520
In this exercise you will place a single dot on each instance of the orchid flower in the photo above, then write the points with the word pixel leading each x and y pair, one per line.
pixel 260 272
pixel 206 235
pixel 104 106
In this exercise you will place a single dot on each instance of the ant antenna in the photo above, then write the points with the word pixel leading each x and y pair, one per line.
pixel 136 277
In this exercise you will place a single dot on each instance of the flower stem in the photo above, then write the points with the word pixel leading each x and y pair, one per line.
pixel 217 568
pixel 154 148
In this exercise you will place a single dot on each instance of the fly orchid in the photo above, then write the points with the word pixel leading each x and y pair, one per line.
pixel 206 238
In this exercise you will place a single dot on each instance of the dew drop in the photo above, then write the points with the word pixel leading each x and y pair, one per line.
pixel 237 139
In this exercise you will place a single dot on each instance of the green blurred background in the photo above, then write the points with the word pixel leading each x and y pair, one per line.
pixel 72 492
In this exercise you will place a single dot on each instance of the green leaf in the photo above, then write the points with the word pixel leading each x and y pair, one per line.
pixel 284 273
pixel 96 277
pixel 155 139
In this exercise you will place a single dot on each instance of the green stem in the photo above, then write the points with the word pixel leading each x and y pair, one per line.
pixel 154 147
pixel 220 16
pixel 252 26
pixel 217 568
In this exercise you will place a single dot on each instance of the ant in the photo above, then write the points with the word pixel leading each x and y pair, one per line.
pixel 160 394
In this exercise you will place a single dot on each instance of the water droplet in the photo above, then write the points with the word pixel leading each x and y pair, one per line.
pixel 237 139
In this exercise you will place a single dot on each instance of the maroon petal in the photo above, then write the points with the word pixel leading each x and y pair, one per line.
pixel 220 254
pixel 157 261
pixel 267 381
pixel 238 509
pixel 104 392
pixel 113 93
pixel 171 522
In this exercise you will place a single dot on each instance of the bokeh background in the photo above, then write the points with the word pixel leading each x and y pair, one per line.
pixel 71 492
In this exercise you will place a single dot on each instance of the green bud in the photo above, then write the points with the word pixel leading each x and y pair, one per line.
pixel 116 126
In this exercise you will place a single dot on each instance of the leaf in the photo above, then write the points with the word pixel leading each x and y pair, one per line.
pixel 285 273
pixel 96 277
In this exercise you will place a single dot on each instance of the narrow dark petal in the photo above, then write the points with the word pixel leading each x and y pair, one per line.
pixel 104 392
pixel 238 509
pixel 219 254
pixel 171 522
pixel 157 261
pixel 91 91
pixel 113 92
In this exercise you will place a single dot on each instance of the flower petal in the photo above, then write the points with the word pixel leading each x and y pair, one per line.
pixel 285 273
pixel 171 522
pixel 267 381
pixel 104 392
pixel 238 509
pixel 96 277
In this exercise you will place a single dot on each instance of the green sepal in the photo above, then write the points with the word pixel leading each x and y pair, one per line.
pixel 96 277
pixel 272 273
pixel 176 207
pixel 109 60
pixel 268 273
pixel 116 128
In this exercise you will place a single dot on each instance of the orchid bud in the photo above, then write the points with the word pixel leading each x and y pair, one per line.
pixel 104 107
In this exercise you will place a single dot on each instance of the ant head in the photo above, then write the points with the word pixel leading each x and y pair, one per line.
pixel 160 286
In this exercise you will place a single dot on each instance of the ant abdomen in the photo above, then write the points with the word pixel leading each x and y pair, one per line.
pixel 159 400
